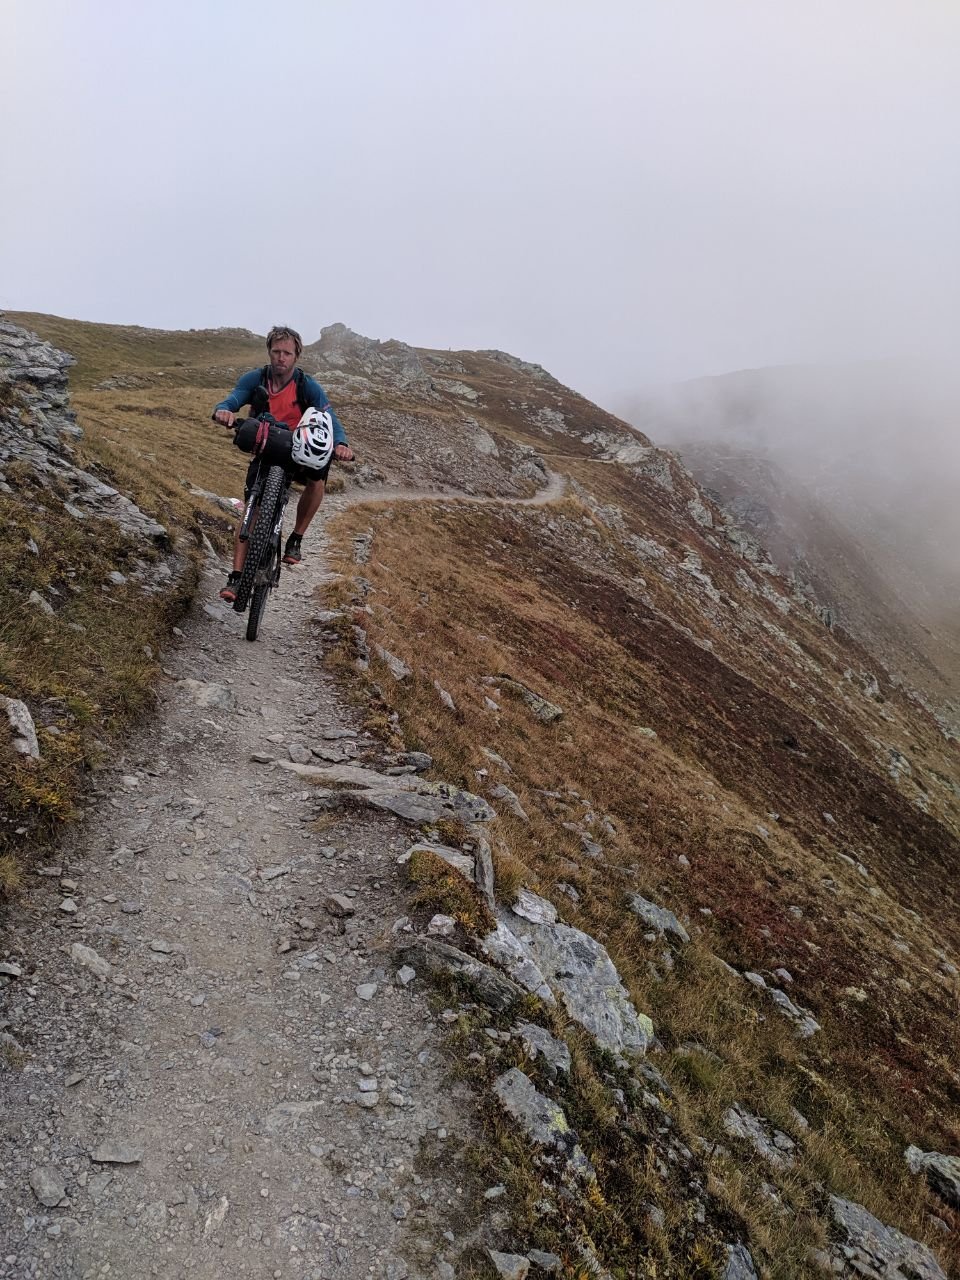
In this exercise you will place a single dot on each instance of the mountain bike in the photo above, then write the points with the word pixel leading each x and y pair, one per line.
pixel 262 529
pixel 281 456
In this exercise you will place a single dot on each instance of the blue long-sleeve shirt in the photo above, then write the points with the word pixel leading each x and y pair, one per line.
pixel 315 395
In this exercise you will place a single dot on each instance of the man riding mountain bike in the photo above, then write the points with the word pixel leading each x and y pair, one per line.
pixel 282 390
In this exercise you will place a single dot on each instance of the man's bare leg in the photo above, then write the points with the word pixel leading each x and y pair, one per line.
pixel 308 506
pixel 240 548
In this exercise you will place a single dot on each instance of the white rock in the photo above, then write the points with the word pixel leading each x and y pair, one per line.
pixel 441 926
pixel 87 958
pixel 216 1216
pixel 21 727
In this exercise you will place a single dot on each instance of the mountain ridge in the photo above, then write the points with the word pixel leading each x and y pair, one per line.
pixel 720 749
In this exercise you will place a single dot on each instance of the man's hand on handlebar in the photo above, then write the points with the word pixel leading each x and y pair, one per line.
pixel 225 417
pixel 343 453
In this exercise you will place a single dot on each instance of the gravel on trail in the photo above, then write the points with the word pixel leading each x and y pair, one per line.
pixel 204 1070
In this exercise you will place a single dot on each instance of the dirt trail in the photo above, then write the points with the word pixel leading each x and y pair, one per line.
pixel 552 491
pixel 220 1099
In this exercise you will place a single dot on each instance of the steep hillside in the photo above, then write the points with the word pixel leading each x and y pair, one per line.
pixel 846 474
pixel 713 747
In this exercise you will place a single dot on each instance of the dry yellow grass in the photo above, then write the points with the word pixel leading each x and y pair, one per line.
pixel 463 596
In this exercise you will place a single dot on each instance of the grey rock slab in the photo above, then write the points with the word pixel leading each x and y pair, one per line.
pixel 503 947
pixel 769 1143
pixel 98 1184
pixel 739 1264
pixel 497 759
pixel 333 755
pixel 366 990
pixel 10 970
pixel 422 808
pixel 38 602
pixel 420 761
pixel 396 666
pixel 409 797
pixel 538 1042
pixel 511 1266
pixel 549 1263
pixel 659 918
pixel 534 908
pixel 872 1248
pixel 805 1024
pixel 510 800
pixel 117 1152
pixel 491 987
pixel 460 862
pixel 299 754
pixel 543 709
pixel 942 1172
pixel 48 1185
pixel 483 865
pixel 542 1119
pixel 87 958
pixel 579 971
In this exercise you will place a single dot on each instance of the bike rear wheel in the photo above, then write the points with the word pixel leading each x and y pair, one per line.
pixel 259 543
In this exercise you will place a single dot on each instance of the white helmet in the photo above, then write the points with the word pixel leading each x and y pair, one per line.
pixel 313 439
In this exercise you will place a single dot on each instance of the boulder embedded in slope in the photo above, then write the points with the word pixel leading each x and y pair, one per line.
pixel 942 1172
pixel 408 797
pixel 491 987
pixel 543 709
pixel 542 1120
pixel 870 1248
pixel 658 918
pixel 576 969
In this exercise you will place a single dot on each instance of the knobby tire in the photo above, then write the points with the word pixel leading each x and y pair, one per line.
pixel 257 606
pixel 259 542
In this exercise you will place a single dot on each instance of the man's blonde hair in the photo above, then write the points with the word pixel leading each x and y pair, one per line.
pixel 281 331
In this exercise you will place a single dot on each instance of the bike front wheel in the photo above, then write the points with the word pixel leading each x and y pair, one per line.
pixel 259 543
pixel 257 606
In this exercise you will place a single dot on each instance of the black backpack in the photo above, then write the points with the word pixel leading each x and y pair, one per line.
pixel 260 400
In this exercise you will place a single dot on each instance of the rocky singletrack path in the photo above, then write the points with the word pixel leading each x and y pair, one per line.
pixel 209 1064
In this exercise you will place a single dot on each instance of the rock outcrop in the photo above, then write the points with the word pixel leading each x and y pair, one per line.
pixel 38 430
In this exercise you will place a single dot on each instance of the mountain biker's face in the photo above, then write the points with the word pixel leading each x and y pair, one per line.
pixel 283 358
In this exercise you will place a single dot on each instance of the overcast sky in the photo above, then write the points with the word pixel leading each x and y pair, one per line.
pixel 627 191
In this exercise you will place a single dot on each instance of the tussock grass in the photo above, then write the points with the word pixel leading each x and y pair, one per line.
pixel 442 889
pixel 463 595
